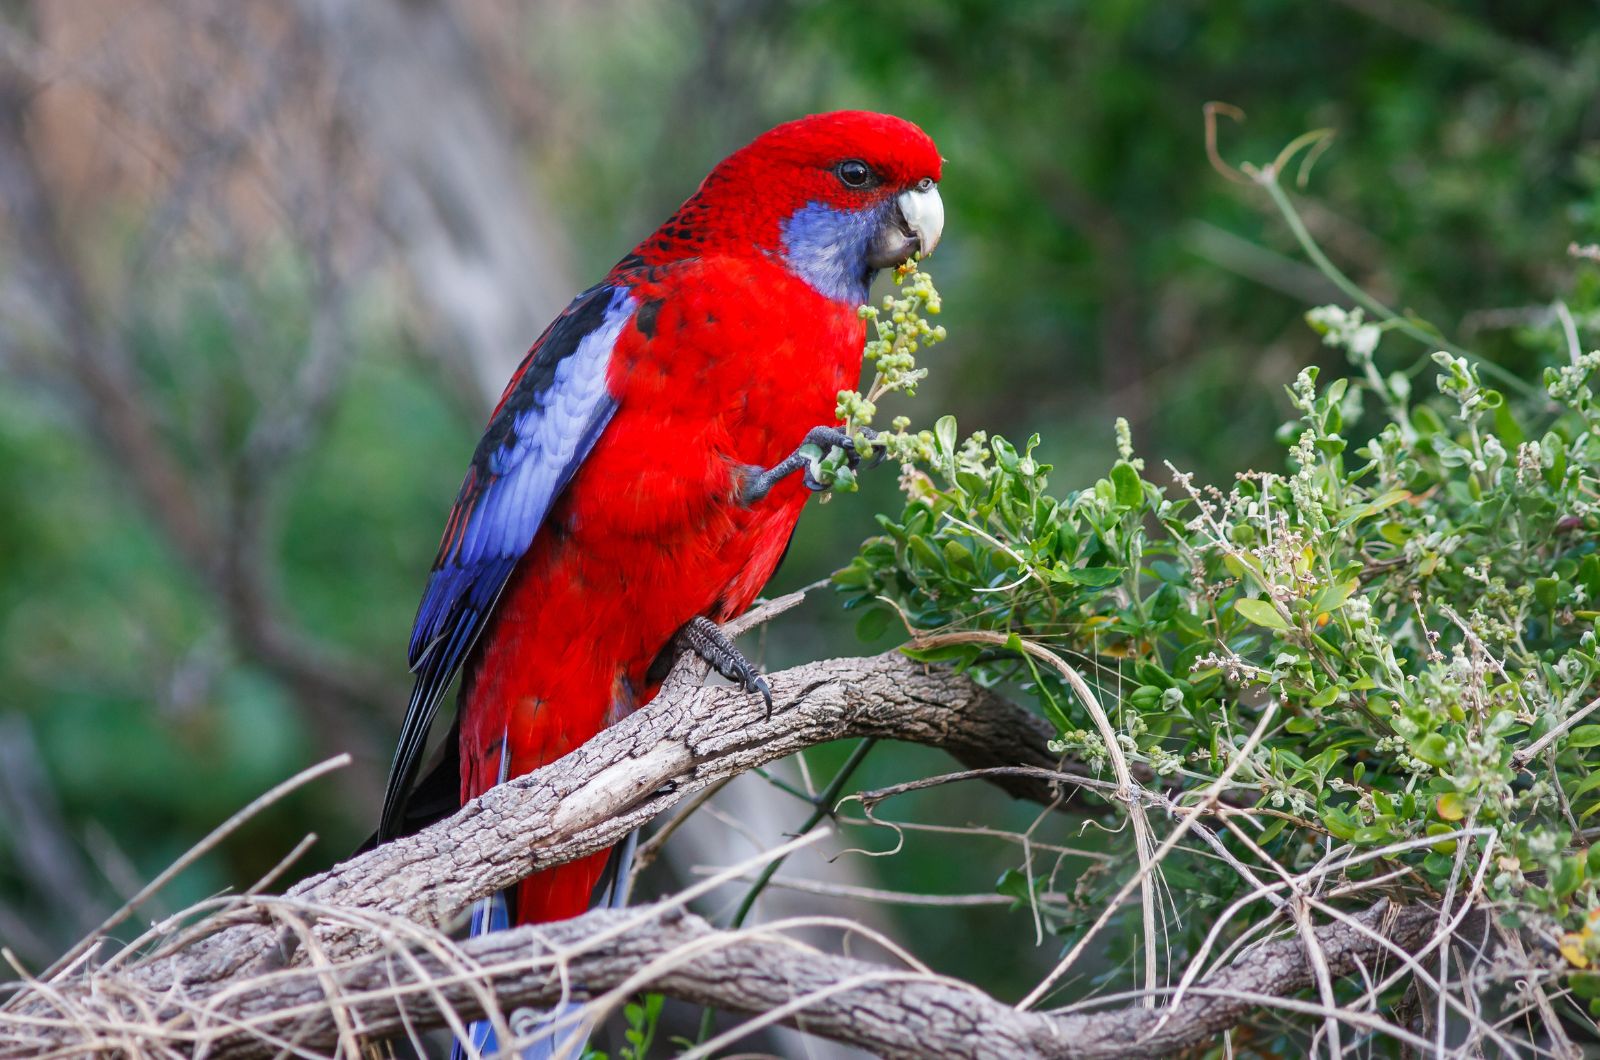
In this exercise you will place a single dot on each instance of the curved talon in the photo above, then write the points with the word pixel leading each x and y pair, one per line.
pixel 880 451
pixel 758 683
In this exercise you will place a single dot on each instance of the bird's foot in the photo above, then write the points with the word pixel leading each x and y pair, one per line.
pixel 706 639
pixel 806 458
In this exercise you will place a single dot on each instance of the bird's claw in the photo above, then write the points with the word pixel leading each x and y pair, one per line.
pixel 807 458
pixel 825 438
pixel 707 640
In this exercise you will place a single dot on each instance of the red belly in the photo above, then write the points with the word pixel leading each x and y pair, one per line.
pixel 649 533
pixel 572 643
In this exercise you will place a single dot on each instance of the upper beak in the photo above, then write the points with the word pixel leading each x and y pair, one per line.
pixel 923 211
pixel 914 227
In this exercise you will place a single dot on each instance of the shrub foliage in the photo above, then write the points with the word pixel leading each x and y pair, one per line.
pixel 1411 595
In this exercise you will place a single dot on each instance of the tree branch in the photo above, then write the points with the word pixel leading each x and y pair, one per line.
pixel 896 1012
pixel 358 951
pixel 686 740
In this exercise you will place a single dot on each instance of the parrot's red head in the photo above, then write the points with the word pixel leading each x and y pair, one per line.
pixel 836 197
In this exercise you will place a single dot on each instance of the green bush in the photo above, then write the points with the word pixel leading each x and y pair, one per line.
pixel 1405 609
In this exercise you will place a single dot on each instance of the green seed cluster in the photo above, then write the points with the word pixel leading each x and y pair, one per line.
pixel 900 328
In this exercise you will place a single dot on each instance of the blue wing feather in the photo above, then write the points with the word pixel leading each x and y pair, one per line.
pixel 548 421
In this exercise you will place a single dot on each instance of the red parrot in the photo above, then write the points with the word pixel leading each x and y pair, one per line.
pixel 636 484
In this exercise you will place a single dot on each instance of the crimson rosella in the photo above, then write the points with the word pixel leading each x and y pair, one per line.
pixel 636 484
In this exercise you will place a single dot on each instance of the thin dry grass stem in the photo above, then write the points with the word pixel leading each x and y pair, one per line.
pixel 878 896
pixel 324 968
pixel 1446 930
pixel 1261 890
pixel 767 610
pixel 1211 110
pixel 274 874
pixel 195 853
pixel 682 899
pixel 1444 933
pixel 684 955
pixel 1207 797
pixel 1351 1016
pixel 400 939
pixel 1354 1017
pixel 1564 1049
pixel 983 831
pixel 1326 867
pixel 1415 968
pixel 1129 792
pixel 1529 753
pixel 1569 329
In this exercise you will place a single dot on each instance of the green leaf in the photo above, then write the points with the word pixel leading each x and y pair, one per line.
pixel 1338 823
pixel 958 653
pixel 1584 736
pixel 1371 834
pixel 925 552
pixel 1568 875
pixel 1129 490
pixel 944 433
pixel 1326 697
pixel 1432 749
pixel 1014 885
pixel 1589 574
pixel 1261 613
pixel 1585 985
pixel 1332 596
pixel 872 624
pixel 958 555
pixel 856 576
pixel 1092 577
pixel 1590 782
pixel 1450 806
pixel 1396 533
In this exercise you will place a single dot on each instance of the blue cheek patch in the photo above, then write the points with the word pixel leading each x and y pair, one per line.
pixel 827 248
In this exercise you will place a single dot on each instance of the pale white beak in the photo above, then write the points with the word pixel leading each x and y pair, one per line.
pixel 923 211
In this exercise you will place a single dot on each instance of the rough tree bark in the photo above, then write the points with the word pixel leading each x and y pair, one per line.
pixel 264 974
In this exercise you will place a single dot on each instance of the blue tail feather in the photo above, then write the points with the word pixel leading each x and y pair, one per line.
pixel 489 914
pixel 492 914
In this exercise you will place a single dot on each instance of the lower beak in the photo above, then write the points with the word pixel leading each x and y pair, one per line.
pixel 912 227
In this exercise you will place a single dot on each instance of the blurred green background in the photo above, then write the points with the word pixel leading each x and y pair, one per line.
pixel 263 267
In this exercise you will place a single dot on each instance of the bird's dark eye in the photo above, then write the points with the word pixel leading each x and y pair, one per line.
pixel 854 173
